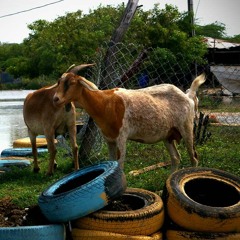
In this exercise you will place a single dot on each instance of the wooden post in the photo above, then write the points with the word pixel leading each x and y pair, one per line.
pixel 109 74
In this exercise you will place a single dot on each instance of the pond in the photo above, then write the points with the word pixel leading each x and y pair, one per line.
pixel 12 125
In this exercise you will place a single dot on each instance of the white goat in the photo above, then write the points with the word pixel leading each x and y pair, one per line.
pixel 158 113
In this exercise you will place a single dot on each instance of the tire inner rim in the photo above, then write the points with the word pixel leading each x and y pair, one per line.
pixel 127 202
pixel 211 192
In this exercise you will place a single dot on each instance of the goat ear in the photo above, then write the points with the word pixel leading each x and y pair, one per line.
pixel 75 69
pixel 89 85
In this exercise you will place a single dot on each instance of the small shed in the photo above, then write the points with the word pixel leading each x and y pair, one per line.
pixel 224 60
pixel 222 52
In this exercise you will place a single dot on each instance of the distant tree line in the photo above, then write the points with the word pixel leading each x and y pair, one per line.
pixel 52 47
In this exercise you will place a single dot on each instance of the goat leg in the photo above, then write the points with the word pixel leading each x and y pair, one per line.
pixel 52 151
pixel 36 168
pixel 174 154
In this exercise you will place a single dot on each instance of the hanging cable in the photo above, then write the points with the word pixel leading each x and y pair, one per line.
pixel 195 15
pixel 28 10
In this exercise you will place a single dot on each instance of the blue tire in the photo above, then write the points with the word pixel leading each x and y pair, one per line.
pixel 42 232
pixel 5 164
pixel 82 192
pixel 21 152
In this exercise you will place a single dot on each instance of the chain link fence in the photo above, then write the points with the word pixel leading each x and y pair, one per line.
pixel 133 67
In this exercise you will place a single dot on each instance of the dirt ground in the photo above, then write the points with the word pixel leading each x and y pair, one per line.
pixel 11 215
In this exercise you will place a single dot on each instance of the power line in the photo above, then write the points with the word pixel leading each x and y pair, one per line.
pixel 28 10
pixel 197 9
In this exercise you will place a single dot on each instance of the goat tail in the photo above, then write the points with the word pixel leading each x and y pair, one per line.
pixel 198 81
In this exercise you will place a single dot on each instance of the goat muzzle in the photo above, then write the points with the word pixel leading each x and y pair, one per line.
pixel 56 101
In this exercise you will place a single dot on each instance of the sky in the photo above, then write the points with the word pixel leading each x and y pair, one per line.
pixel 13 28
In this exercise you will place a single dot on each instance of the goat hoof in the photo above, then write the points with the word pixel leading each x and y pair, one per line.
pixel 36 170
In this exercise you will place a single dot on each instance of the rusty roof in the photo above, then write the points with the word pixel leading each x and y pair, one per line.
pixel 219 43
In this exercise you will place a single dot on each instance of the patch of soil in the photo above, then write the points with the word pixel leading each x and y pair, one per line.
pixel 118 205
pixel 12 216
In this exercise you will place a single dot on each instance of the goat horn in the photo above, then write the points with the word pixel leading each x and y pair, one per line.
pixel 72 66
pixel 53 86
pixel 75 69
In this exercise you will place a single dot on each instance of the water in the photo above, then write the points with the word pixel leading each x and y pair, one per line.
pixel 12 125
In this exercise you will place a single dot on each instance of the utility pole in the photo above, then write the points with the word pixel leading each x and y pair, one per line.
pixel 192 33
pixel 191 14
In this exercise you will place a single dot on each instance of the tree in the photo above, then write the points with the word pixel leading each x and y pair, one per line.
pixel 53 46
pixel 214 30
pixel 235 38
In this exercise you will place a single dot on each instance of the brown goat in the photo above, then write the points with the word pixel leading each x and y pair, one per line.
pixel 42 117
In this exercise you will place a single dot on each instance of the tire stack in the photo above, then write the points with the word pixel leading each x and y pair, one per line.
pixel 71 197
pixel 82 192
pixel 202 204
pixel 84 197
pixel 18 155
pixel 22 147
pixel 142 221
pixel 198 204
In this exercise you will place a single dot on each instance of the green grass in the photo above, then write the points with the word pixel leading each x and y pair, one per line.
pixel 221 151
pixel 216 104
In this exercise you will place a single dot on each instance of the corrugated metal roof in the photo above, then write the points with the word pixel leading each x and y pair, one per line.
pixel 219 43
pixel 228 76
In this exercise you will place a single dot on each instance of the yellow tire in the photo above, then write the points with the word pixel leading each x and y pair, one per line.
pixel 25 142
pixel 204 200
pixel 145 217
pixel 185 235
pixel 81 234
pixel 15 158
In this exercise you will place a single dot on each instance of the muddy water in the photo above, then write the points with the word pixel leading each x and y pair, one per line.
pixel 12 125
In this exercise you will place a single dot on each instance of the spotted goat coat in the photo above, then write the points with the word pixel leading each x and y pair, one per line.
pixel 158 113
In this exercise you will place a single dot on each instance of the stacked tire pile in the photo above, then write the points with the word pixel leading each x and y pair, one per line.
pixel 198 204
pixel 22 147
pixel 83 197
pixel 202 204
pixel 73 196
pixel 139 216
pixel 18 155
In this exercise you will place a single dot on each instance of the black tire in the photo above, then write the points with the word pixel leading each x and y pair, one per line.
pixel 204 200
pixel 185 235
pixel 82 192
pixel 145 217
pixel 43 232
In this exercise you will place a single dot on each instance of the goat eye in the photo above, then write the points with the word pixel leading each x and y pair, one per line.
pixel 73 82
pixel 66 86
